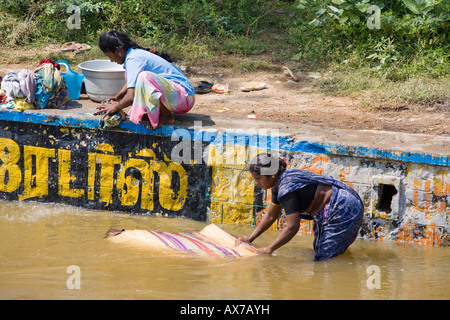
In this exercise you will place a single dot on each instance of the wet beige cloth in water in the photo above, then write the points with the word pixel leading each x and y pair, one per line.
pixel 211 241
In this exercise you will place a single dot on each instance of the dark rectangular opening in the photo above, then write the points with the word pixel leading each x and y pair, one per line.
pixel 385 194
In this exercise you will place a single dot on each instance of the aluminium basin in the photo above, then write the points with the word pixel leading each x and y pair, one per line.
pixel 103 79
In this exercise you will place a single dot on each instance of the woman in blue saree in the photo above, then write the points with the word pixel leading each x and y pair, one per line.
pixel 337 209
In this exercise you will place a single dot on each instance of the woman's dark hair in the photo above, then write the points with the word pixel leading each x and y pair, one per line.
pixel 266 164
pixel 110 40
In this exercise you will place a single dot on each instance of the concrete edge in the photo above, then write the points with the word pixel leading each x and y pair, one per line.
pixel 272 135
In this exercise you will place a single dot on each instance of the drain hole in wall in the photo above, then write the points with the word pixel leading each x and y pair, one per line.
pixel 385 194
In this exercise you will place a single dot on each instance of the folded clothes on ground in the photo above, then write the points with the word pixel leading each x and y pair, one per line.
pixel 19 84
pixel 45 87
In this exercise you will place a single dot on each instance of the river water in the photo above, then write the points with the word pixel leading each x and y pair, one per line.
pixel 59 252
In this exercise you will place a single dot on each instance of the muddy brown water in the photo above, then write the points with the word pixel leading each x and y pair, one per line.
pixel 59 252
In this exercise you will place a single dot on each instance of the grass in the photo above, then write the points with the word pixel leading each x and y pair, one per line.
pixel 417 93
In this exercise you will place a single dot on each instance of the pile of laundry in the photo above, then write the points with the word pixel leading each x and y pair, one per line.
pixel 42 88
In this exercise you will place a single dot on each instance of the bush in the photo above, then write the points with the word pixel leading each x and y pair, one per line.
pixel 160 18
pixel 412 36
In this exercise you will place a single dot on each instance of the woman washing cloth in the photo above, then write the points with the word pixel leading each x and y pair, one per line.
pixel 155 88
pixel 337 209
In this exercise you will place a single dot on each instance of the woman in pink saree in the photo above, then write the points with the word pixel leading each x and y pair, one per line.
pixel 155 88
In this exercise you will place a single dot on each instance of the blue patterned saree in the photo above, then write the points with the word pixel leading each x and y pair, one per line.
pixel 337 225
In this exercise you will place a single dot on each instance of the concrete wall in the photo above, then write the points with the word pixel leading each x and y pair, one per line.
pixel 200 173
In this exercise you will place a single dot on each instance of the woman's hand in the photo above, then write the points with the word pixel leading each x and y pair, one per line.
pixel 108 100
pixel 241 239
pixel 108 108
pixel 265 250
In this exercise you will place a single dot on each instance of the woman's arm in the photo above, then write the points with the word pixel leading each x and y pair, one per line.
pixel 116 106
pixel 291 229
pixel 271 215
pixel 127 99
pixel 121 93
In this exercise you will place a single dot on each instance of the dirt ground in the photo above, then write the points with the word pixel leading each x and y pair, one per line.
pixel 284 100
pixel 287 101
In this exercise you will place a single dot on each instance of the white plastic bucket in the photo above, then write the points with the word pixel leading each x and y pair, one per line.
pixel 103 79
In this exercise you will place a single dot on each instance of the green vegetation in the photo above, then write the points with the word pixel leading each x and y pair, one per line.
pixel 390 53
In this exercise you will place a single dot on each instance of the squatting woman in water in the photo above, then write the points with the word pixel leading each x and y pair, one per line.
pixel 155 88
pixel 337 209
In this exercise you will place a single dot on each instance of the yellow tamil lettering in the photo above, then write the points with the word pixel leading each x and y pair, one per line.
pixel 92 160
pixel 147 202
pixel 107 163
pixel 167 197
pixel 10 174
pixel 128 184
pixel 35 184
pixel 64 176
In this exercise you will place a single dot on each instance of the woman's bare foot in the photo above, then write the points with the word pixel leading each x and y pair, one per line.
pixel 165 116
pixel 166 119
pixel 146 121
